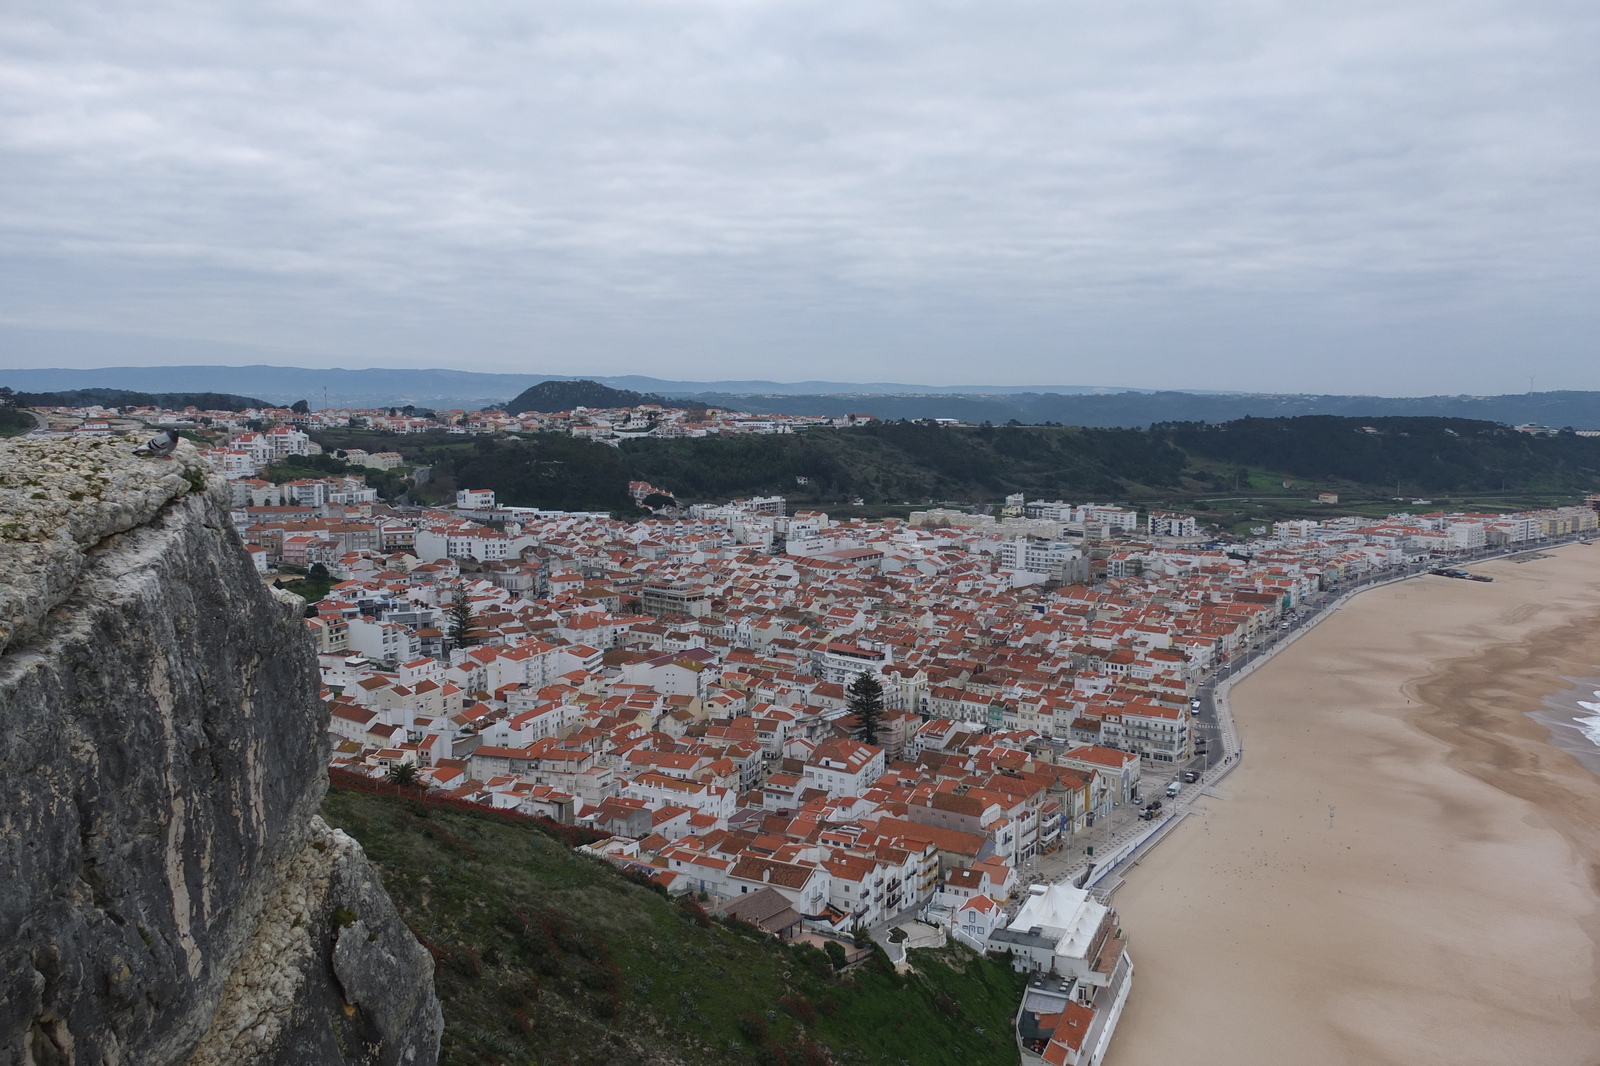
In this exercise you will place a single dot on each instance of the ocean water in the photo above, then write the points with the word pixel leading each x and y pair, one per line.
pixel 1573 719
pixel 1590 724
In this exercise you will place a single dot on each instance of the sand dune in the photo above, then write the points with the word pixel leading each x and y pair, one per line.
pixel 1449 912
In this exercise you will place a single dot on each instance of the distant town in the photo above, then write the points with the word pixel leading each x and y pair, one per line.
pixel 610 425
pixel 912 730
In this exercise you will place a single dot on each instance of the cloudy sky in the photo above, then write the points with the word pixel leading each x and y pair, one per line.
pixel 1395 197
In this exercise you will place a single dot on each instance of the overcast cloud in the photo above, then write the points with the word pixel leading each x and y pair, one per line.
pixel 1391 197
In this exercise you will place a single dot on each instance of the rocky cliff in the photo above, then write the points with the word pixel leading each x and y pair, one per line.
pixel 170 894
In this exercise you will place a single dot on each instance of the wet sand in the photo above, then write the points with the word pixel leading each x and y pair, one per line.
pixel 1450 913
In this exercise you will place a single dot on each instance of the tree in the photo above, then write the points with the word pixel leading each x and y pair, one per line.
pixel 461 620
pixel 866 703
pixel 403 773
pixel 300 407
pixel 7 397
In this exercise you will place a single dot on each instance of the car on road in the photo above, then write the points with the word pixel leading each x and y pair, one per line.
pixel 1191 776
pixel 1173 788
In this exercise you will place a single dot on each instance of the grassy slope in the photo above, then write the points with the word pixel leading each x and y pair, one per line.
pixel 547 956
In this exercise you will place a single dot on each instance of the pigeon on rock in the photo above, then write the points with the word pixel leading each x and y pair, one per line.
pixel 160 446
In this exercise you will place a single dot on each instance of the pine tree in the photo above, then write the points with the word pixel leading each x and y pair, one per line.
pixel 866 703
pixel 461 620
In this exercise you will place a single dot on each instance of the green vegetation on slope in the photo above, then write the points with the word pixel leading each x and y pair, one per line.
pixel 565 395
pixel 1419 454
pixel 547 956
pixel 897 462
pixel 14 422
pixel 205 401
pixel 389 483
pixel 549 470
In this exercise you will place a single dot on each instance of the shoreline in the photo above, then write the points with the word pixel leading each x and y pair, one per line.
pixel 1562 714
pixel 1384 880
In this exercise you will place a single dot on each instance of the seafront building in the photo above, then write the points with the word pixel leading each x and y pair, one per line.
pixel 1080 975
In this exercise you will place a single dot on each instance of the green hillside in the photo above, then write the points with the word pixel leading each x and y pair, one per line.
pixel 565 395
pixel 547 956
pixel 1423 454
pixel 206 401
pixel 896 462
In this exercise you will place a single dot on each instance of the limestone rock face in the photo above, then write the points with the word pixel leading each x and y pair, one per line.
pixel 167 892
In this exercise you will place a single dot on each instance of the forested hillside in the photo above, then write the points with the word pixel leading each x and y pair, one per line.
pixel 565 395
pixel 898 462
pixel 205 401
pixel 913 461
pixel 1426 454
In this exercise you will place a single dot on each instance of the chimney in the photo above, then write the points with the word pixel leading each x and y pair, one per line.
pixel 766 875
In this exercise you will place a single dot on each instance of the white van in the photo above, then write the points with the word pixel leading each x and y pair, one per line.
pixel 1173 788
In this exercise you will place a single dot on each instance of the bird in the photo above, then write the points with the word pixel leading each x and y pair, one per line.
pixel 160 446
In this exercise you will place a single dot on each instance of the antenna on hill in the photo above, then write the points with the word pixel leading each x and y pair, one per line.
pixel 324 397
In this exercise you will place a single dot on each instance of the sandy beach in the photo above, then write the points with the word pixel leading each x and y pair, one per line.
pixel 1405 869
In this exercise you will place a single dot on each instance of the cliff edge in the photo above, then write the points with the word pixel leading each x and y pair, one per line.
pixel 171 896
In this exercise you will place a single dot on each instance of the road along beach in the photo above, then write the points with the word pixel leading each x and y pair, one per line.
pixel 1405 868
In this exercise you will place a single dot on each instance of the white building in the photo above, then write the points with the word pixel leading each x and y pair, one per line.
pixel 1083 973
pixel 1170 524
pixel 843 767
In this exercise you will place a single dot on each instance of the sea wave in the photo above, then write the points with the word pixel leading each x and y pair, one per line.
pixel 1590 726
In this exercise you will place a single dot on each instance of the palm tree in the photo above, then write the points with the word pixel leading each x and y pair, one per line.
pixel 403 774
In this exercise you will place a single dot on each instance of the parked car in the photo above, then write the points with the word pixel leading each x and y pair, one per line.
pixel 1191 776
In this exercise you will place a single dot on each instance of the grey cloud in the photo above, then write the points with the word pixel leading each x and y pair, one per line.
pixel 1227 194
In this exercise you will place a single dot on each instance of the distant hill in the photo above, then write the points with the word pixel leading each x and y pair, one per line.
pixel 1579 410
pixel 436 388
pixel 1062 404
pixel 565 395
pixel 206 401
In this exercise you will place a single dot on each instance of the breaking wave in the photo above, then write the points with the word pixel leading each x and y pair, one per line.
pixel 1589 724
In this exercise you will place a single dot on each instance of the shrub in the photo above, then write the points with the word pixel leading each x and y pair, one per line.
pixel 753 1028
pixel 799 1007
